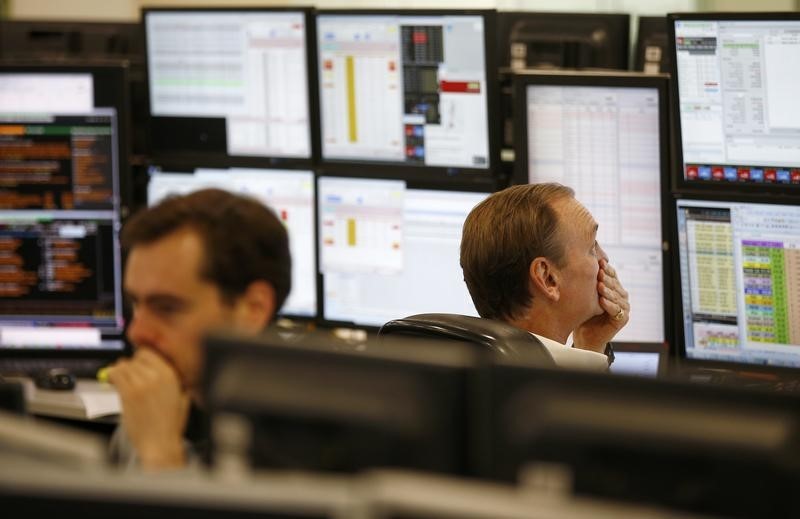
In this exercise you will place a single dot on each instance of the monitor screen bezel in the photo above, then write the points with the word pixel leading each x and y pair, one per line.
pixel 603 79
pixel 677 310
pixel 161 153
pixel 466 187
pixel 423 173
pixel 679 182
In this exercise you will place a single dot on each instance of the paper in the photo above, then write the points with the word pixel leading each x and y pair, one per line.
pixel 98 399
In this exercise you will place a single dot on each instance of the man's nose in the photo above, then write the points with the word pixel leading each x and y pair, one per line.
pixel 601 253
pixel 140 331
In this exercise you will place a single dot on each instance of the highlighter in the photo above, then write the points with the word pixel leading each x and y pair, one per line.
pixel 102 374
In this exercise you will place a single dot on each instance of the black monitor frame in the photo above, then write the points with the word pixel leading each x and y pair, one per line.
pixel 646 440
pixel 315 380
pixel 189 124
pixel 677 301
pixel 603 79
pixel 576 27
pixel 679 183
pixel 487 186
pixel 422 173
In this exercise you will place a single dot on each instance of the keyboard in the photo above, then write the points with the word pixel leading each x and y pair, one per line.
pixel 82 368
pixel 763 382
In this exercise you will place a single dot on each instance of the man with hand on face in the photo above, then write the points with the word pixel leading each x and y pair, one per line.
pixel 204 261
pixel 530 257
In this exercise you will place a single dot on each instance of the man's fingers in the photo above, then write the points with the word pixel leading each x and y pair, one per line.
pixel 618 296
pixel 140 373
pixel 609 306
pixel 616 311
pixel 117 374
pixel 153 360
pixel 608 277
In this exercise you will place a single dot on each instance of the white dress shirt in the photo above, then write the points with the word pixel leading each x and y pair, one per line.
pixel 574 358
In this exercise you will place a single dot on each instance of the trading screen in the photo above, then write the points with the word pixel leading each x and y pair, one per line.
pixel 740 281
pixel 244 72
pixel 290 194
pixel 739 116
pixel 388 251
pixel 604 142
pixel 59 206
pixel 406 89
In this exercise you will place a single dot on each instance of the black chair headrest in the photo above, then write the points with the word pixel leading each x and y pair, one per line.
pixel 496 336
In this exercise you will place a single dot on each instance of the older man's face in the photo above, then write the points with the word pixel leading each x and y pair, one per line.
pixel 582 254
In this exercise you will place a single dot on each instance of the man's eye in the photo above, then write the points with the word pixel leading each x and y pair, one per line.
pixel 166 308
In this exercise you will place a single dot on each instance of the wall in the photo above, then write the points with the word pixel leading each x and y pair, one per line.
pixel 128 10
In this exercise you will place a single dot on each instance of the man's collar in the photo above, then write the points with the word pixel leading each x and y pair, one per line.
pixel 549 342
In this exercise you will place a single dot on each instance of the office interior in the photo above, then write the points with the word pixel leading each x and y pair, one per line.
pixel 677 131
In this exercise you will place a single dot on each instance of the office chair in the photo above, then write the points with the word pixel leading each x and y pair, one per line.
pixel 494 336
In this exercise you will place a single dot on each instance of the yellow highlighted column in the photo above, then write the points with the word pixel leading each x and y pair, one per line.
pixel 351 98
pixel 351 232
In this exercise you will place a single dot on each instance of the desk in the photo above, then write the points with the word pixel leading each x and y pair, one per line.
pixel 90 400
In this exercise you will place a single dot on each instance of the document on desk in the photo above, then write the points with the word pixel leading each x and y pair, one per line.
pixel 89 400
pixel 99 399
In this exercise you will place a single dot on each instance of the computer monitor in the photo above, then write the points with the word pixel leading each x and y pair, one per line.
pixel 640 359
pixel 311 402
pixel 60 208
pixel 74 88
pixel 605 135
pixel 230 82
pixel 739 281
pixel 562 40
pixel 716 450
pixel 289 193
pixel 388 249
pixel 412 88
pixel 651 54
pixel 737 115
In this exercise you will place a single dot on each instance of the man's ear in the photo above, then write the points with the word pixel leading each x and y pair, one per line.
pixel 545 278
pixel 255 308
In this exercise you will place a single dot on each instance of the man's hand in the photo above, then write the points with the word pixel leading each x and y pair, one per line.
pixel 155 408
pixel 595 333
